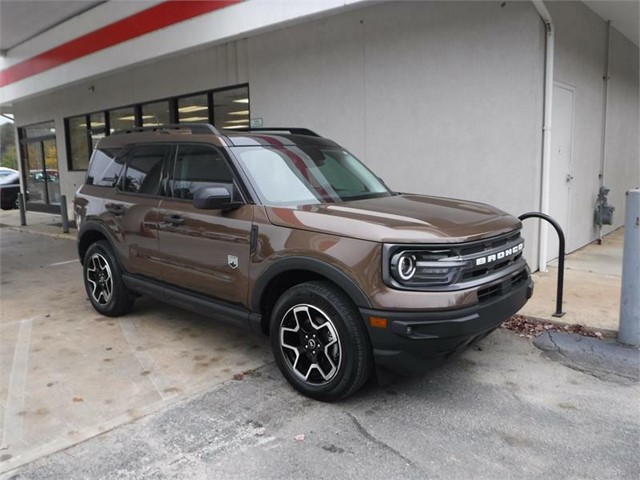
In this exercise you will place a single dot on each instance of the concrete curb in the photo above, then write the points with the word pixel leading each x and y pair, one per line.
pixel 72 235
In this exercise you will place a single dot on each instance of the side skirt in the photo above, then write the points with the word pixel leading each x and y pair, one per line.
pixel 194 302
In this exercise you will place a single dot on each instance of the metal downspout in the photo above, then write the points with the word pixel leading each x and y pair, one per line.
pixel 605 95
pixel 546 129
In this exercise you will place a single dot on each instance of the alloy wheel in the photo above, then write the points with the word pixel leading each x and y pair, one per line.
pixel 100 279
pixel 310 344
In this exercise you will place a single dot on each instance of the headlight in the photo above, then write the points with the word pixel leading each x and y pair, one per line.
pixel 403 266
pixel 423 268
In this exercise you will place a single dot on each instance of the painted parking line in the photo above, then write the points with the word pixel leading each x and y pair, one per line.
pixel 62 263
pixel 157 379
pixel 13 421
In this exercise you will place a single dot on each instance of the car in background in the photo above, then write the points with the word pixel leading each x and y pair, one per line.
pixel 9 188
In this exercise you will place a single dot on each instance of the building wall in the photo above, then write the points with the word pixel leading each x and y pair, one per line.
pixel 438 98
pixel 580 62
pixel 622 154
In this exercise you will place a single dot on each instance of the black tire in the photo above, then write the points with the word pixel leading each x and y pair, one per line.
pixel 322 313
pixel 103 281
pixel 15 202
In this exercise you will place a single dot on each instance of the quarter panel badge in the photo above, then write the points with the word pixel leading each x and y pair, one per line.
pixel 232 260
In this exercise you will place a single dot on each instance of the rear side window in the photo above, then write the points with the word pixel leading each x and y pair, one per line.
pixel 197 166
pixel 105 167
pixel 144 169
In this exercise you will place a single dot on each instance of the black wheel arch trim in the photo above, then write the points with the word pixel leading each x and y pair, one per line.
pixel 312 265
pixel 93 226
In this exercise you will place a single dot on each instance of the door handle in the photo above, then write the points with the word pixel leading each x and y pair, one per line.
pixel 174 219
pixel 114 208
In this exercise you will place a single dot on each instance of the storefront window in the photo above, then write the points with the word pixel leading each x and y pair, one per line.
pixel 193 109
pixel 231 108
pixel 155 114
pixel 122 119
pixel 40 130
pixel 97 127
pixel 78 132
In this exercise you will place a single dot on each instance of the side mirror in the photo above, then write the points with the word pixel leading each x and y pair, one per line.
pixel 214 198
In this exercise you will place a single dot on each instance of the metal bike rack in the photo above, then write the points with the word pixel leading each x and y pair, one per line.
pixel 558 228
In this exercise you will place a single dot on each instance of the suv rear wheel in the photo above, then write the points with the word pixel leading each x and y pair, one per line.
pixel 103 281
pixel 319 342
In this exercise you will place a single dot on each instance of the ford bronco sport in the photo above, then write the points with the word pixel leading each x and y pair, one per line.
pixel 286 233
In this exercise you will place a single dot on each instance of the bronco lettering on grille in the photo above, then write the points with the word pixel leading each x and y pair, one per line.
pixel 494 257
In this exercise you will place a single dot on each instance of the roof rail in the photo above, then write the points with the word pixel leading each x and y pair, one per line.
pixel 194 128
pixel 292 131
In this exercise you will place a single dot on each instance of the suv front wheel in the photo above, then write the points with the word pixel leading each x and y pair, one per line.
pixel 103 281
pixel 319 341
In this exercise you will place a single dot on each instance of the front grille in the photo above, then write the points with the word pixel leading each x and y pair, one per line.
pixel 502 288
pixel 458 266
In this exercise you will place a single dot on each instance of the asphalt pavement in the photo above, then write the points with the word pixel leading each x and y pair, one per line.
pixel 501 410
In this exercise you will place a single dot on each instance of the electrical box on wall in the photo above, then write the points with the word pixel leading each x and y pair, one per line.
pixel 604 211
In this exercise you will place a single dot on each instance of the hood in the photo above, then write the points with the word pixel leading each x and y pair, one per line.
pixel 399 219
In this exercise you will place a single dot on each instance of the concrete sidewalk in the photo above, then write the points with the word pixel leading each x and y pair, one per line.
pixel 592 281
pixel 39 223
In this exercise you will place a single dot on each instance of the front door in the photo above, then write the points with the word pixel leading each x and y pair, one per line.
pixel 131 210
pixel 40 167
pixel 204 251
pixel 561 164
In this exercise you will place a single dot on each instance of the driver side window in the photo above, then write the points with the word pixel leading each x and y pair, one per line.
pixel 197 166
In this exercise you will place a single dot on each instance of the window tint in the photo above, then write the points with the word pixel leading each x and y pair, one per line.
pixel 195 167
pixel 155 114
pixel 291 175
pixel 193 109
pixel 78 142
pixel 97 128
pixel 122 118
pixel 144 169
pixel 231 108
pixel 105 168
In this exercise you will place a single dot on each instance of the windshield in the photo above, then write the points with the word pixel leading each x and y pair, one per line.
pixel 300 175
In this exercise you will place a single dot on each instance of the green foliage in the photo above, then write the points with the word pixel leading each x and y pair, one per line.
pixel 8 156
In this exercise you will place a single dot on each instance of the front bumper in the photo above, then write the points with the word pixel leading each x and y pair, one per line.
pixel 416 341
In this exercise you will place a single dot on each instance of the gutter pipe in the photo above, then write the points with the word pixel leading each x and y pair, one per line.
pixel 546 129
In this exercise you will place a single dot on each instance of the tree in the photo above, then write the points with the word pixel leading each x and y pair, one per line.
pixel 8 156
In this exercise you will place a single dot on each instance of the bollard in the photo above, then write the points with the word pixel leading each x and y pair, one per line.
pixel 629 327
pixel 22 206
pixel 63 214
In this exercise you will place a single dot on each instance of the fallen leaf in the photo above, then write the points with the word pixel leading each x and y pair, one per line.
pixel 238 376
pixel 299 438
pixel 78 399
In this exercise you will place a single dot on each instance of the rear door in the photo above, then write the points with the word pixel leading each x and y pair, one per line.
pixel 132 209
pixel 205 251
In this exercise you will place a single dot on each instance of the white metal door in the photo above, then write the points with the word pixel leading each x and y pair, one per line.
pixel 561 171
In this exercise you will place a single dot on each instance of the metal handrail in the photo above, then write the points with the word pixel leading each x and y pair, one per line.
pixel 558 228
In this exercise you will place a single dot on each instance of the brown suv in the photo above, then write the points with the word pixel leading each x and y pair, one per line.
pixel 286 233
